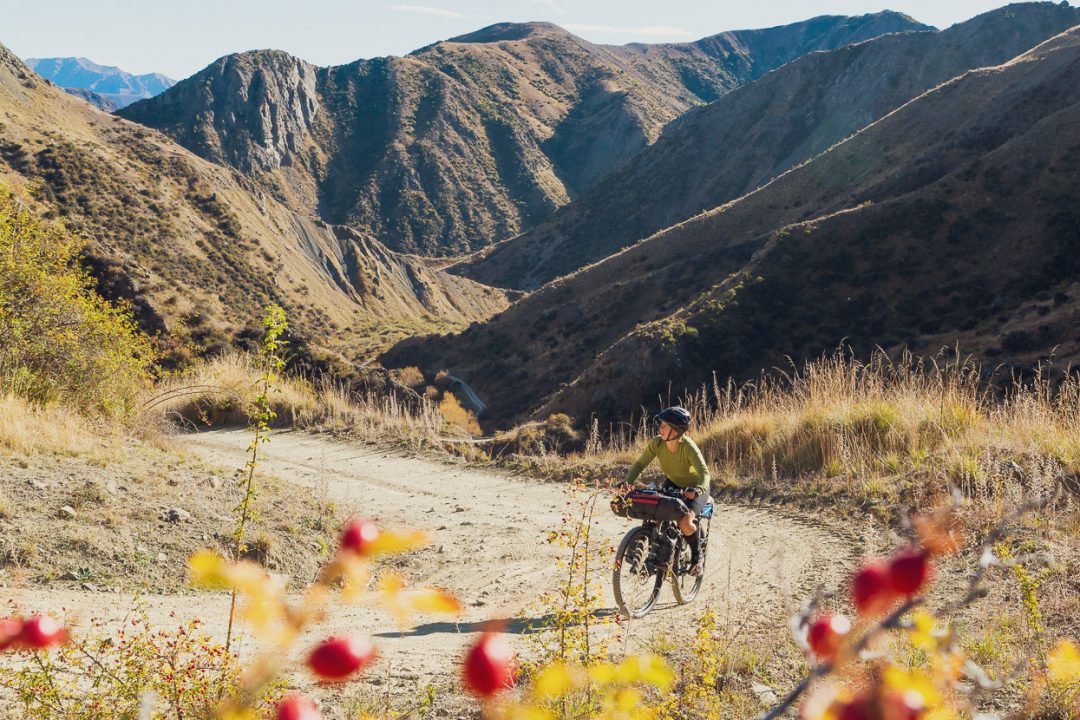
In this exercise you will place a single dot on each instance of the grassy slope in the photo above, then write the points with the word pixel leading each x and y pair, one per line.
pixel 948 219
pixel 748 137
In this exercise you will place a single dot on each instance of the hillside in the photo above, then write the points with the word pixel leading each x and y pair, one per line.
pixel 111 83
pixel 722 151
pixel 467 141
pixel 952 219
pixel 199 249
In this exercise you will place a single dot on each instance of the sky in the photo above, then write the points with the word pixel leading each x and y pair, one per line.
pixel 180 38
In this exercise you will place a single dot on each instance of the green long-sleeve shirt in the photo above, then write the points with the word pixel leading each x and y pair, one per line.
pixel 685 467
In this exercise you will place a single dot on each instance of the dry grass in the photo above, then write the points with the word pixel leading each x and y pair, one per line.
pixel 221 392
pixel 877 433
pixel 28 429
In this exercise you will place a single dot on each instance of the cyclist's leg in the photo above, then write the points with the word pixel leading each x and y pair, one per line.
pixel 689 529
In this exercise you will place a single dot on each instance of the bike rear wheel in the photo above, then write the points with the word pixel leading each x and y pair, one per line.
pixel 634 580
pixel 686 586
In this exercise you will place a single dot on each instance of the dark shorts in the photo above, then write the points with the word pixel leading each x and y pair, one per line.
pixel 698 503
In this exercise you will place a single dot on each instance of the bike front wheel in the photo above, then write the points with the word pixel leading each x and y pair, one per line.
pixel 634 579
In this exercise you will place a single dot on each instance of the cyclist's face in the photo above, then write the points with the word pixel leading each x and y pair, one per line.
pixel 667 432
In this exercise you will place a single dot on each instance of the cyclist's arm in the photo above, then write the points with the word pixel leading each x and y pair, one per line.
pixel 646 457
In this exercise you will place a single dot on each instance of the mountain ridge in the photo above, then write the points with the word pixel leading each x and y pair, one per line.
pixel 199 249
pixel 716 153
pixel 951 219
pixel 456 144
pixel 115 85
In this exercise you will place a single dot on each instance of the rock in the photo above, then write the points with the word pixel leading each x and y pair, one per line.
pixel 142 549
pixel 37 484
pixel 441 527
pixel 89 586
pixel 765 694
pixel 459 509
pixel 215 482
pixel 67 512
pixel 69 576
pixel 176 515
pixel 111 487
pixel 478 603
pixel 162 557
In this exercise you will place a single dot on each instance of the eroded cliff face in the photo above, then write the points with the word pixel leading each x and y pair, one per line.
pixel 254 110
pixel 467 141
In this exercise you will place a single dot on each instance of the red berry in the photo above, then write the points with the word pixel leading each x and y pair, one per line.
pixel 10 630
pixel 489 665
pixel 871 591
pixel 909 571
pixel 338 657
pixel 297 707
pixel 860 708
pixel 826 634
pixel 41 631
pixel 358 536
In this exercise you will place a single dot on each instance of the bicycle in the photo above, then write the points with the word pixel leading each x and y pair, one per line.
pixel 637 578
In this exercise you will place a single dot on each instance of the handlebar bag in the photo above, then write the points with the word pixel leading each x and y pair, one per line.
pixel 648 505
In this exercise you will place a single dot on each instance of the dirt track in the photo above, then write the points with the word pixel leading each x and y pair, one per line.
pixel 489 548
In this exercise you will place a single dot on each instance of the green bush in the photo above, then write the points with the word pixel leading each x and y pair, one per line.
pixel 61 341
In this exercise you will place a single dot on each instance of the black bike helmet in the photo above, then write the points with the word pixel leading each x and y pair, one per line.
pixel 676 417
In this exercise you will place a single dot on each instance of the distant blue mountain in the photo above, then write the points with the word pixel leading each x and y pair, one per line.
pixel 112 83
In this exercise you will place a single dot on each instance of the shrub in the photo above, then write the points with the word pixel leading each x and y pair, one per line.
pixel 181 673
pixel 62 341
pixel 452 411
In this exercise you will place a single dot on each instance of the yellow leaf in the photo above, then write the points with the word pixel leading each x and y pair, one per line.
pixel 390 583
pixel 911 683
pixel 626 699
pixel 1064 663
pixel 208 569
pixel 650 669
pixel 392 542
pixel 356 575
pixel 940 712
pixel 603 673
pixel 434 600
pixel 553 681
pixel 922 631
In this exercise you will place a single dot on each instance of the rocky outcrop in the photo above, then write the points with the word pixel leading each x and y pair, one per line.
pixel 254 110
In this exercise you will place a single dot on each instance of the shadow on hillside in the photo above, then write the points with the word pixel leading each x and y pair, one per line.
pixel 516 626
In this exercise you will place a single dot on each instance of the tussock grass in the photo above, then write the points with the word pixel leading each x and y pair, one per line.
pixel 222 391
pixel 878 432
pixel 27 428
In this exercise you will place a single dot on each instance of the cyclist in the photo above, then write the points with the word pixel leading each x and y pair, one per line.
pixel 687 475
